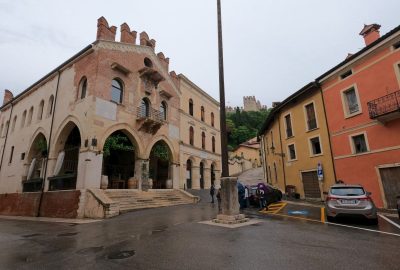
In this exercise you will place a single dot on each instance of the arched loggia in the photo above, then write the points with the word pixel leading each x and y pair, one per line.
pixel 160 165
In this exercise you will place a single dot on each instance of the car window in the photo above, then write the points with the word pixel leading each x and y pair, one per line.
pixel 347 191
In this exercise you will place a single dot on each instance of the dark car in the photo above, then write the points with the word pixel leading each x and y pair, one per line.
pixel 272 194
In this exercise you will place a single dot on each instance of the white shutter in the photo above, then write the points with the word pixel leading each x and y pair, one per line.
pixel 59 163
pixel 31 168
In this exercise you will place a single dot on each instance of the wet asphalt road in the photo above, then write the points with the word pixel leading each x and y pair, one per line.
pixel 172 238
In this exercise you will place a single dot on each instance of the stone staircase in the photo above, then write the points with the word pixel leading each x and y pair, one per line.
pixel 131 199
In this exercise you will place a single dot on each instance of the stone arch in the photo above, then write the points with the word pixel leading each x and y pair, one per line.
pixel 63 131
pixel 160 166
pixel 38 131
pixel 168 142
pixel 130 133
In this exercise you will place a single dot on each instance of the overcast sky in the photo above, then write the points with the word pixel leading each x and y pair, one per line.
pixel 272 48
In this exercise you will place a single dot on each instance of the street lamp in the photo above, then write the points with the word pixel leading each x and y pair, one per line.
pixel 224 148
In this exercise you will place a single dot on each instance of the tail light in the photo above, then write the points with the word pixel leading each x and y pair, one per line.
pixel 330 198
pixel 365 199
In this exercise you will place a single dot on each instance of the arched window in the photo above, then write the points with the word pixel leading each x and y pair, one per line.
pixel 163 110
pixel 191 107
pixel 148 63
pixel 213 144
pixel 23 119
pixel 6 128
pixel 82 88
pixel 50 105
pixel 191 135
pixel 40 111
pixel 116 91
pixel 144 108
pixel 30 114
pixel 202 113
pixel 203 140
pixel 212 119
pixel 13 124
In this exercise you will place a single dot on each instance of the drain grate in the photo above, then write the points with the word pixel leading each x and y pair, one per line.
pixel 120 255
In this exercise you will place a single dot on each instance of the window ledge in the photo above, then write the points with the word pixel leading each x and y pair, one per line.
pixel 311 130
pixel 287 138
pixel 118 103
pixel 347 116
pixel 317 155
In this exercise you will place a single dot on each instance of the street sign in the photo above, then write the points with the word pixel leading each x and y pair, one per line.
pixel 320 172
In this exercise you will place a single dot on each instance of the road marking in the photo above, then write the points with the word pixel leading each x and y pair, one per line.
pixel 274 208
pixel 390 221
pixel 323 214
pixel 364 229
pixel 302 218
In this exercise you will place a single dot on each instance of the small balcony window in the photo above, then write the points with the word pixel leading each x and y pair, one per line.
pixel 292 152
pixel 351 101
pixel 359 144
pixel 288 122
pixel 315 146
pixel 311 118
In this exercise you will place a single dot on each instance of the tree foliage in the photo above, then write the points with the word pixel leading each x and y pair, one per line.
pixel 242 126
pixel 117 142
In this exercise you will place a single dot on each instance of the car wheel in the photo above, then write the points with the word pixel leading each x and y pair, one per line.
pixel 373 221
pixel 330 219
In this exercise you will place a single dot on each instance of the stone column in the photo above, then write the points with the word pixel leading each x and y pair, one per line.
pixel 229 202
pixel 142 172
pixel 175 176
pixel 89 170
pixel 217 179
pixel 51 163
pixel 195 177
pixel 207 178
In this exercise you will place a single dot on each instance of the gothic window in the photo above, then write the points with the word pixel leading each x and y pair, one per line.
pixel 191 135
pixel 116 91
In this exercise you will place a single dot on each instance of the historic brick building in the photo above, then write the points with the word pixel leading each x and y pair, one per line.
pixel 114 109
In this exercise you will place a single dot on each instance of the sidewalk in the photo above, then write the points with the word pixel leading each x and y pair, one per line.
pixel 56 220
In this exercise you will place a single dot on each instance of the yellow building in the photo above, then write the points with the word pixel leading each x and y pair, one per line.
pixel 249 150
pixel 295 143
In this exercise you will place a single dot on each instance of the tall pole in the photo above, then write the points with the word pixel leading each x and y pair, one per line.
pixel 224 144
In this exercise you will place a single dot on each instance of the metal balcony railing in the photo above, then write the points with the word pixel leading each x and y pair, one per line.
pixel 384 105
pixel 150 113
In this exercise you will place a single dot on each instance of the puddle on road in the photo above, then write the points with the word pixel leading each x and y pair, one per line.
pixel 32 235
pixel 66 234
pixel 90 250
pixel 120 255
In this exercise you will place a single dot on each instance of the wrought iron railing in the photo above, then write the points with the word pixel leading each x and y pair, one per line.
pixel 62 182
pixel 32 185
pixel 384 105
pixel 150 113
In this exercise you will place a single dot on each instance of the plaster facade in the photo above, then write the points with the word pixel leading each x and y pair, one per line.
pixel 110 87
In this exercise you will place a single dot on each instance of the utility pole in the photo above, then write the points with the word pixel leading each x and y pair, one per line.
pixel 224 135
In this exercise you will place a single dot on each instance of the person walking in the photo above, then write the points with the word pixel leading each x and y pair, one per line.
pixel 261 197
pixel 246 197
pixel 212 192
pixel 219 199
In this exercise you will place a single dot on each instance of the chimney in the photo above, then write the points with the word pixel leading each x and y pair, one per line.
pixel 104 32
pixel 370 33
pixel 7 96
pixel 126 35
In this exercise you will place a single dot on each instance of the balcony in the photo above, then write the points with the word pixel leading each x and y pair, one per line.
pixel 386 108
pixel 151 120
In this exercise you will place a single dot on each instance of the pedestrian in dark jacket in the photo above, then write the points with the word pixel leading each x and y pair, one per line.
pixel 219 199
pixel 212 192
pixel 398 205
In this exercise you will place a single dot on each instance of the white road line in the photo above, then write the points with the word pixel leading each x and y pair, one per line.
pixel 390 221
pixel 369 230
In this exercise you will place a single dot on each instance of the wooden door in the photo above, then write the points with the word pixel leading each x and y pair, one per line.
pixel 391 185
pixel 311 185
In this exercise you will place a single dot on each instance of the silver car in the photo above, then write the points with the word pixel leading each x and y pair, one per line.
pixel 350 200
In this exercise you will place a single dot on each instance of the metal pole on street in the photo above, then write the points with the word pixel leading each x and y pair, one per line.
pixel 224 144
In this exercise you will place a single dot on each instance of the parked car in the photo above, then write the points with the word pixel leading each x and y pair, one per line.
pixel 350 200
pixel 398 205
pixel 272 194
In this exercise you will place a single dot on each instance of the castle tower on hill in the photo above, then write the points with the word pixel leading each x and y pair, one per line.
pixel 251 104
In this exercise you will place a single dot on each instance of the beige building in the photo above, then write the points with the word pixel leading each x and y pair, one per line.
pixel 114 109
pixel 249 150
